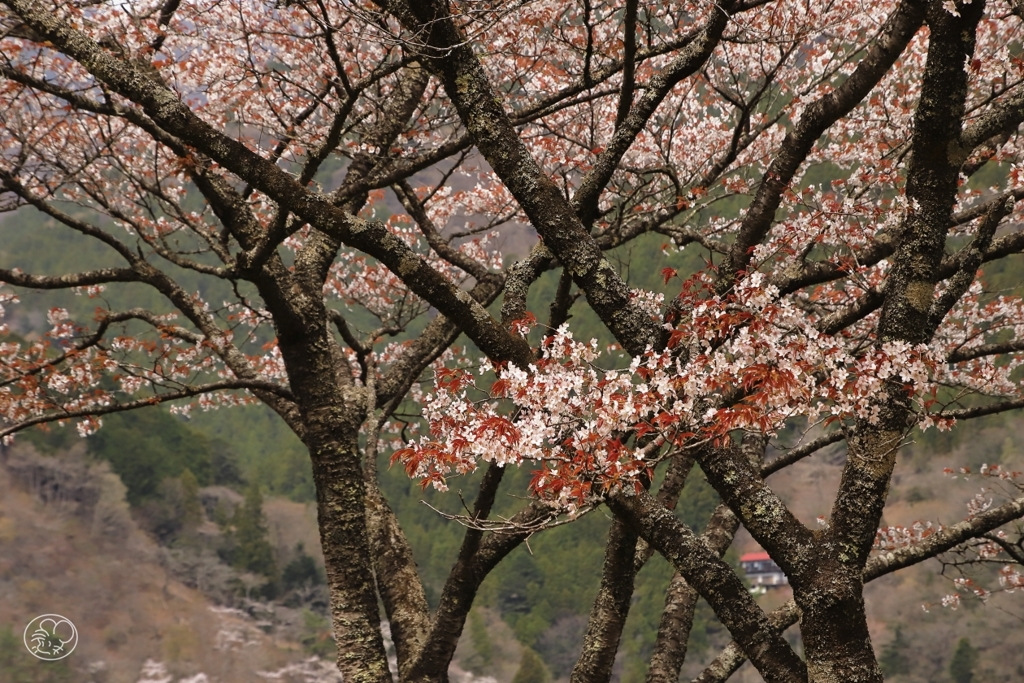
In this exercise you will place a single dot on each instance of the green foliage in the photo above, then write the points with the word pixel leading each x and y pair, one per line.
pixel 316 635
pixel 36 243
pixel 641 628
pixel 894 660
pixel 301 571
pixel 224 464
pixel 269 453
pixel 559 577
pixel 531 669
pixel 174 513
pixel 522 581
pixel 918 495
pixel 51 438
pixel 640 263
pixel 965 658
pixel 248 546
pixel 697 501
pixel 191 507
pixel 18 666
pixel 696 504
pixel 146 446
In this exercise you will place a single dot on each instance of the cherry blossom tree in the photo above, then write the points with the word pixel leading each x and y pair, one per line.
pixel 335 162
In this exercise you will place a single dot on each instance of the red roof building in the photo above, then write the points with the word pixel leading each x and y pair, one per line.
pixel 762 571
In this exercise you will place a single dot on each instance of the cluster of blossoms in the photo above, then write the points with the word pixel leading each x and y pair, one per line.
pixel 748 361
pixel 1010 578
pixel 569 414
pixel 5 299
pixel 360 282
pixel 61 371
pixel 37 376
pixel 977 552
pixel 994 472
pixel 891 538
pixel 964 586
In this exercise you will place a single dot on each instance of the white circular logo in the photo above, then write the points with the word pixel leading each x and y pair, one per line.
pixel 51 637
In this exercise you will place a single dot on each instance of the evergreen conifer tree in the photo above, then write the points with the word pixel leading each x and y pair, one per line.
pixel 894 658
pixel 483 648
pixel 301 571
pixel 965 658
pixel 531 669
pixel 252 551
pixel 192 508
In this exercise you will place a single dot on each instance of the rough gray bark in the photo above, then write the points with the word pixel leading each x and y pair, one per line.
pixel 608 614
pixel 625 556
pixel 495 137
pixel 816 119
pixel 731 658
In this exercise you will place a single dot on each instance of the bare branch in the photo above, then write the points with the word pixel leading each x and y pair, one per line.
pixel 686 63
pixel 716 582
pixel 489 125
pixel 629 63
pixel 730 659
pixel 970 259
pixel 185 392
pixel 1004 117
pixel 70 280
pixel 407 196
pixel 521 275
pixel 801 452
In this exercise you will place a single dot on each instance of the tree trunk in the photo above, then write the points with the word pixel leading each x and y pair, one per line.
pixel 341 515
pixel 837 645
pixel 673 632
pixel 608 615
pixel 333 411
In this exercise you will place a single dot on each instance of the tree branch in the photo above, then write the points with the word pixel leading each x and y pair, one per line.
pixel 185 392
pixel 731 658
pixel 685 64
pixel 815 120
pixel 84 279
pixel 716 582
pixel 481 111
pixel 628 62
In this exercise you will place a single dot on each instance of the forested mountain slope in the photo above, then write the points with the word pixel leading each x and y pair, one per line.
pixel 69 545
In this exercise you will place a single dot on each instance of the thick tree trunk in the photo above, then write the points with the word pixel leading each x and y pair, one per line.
pixel 625 556
pixel 716 582
pixel 333 409
pixel 837 645
pixel 681 601
pixel 673 632
pixel 471 567
pixel 399 585
pixel 341 515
